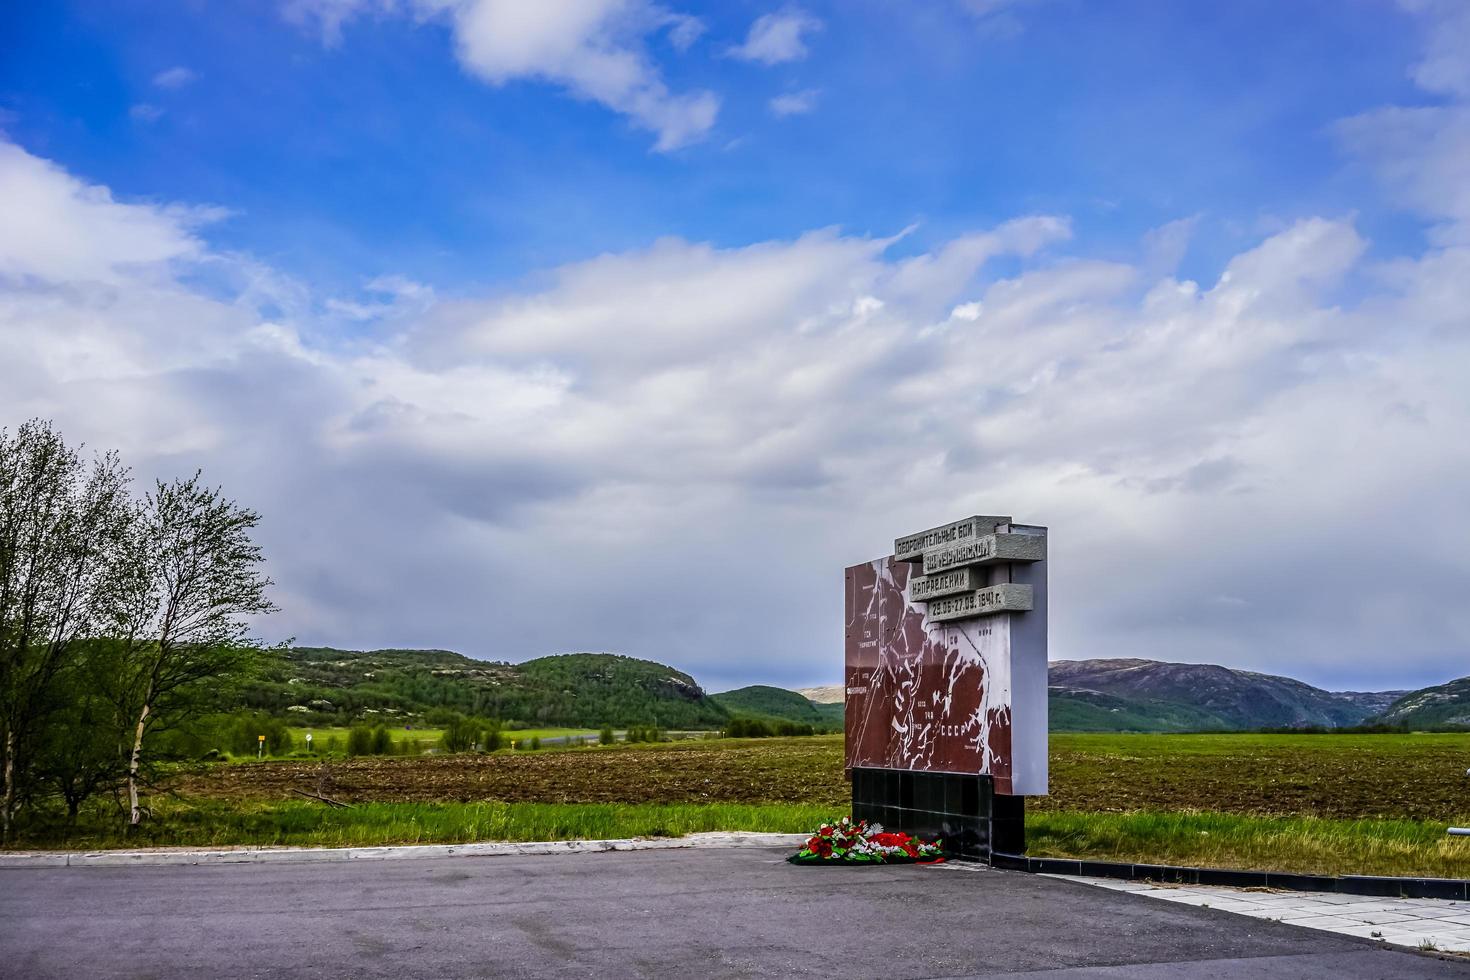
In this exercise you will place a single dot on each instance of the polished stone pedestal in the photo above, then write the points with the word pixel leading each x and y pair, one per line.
pixel 962 810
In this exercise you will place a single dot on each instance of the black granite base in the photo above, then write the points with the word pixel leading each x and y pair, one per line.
pixel 963 811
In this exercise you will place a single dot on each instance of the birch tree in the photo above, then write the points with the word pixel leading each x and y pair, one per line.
pixel 59 530
pixel 193 580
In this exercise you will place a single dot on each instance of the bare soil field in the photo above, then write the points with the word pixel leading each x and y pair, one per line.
pixel 795 770
pixel 1418 777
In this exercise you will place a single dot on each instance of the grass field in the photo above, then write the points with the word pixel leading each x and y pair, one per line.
pixel 427 737
pixel 320 737
pixel 1375 804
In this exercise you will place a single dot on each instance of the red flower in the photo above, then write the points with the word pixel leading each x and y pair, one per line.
pixel 824 849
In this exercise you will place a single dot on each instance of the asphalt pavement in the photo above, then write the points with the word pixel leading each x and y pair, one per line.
pixel 715 912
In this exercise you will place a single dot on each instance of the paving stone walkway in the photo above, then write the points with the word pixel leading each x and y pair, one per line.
pixel 1419 923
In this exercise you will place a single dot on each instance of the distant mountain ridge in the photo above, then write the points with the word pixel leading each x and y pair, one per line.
pixel 1440 706
pixel 321 685
pixel 1205 696
pixel 1136 695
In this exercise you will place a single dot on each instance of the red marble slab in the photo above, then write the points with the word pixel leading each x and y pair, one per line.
pixel 923 696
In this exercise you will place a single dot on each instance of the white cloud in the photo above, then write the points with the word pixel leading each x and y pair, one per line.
pixel 595 49
pixel 1422 153
pixel 328 17
pixel 777 38
pixel 1445 67
pixel 998 18
pixel 176 77
pixel 60 230
pixel 705 436
pixel 145 112
pixel 794 103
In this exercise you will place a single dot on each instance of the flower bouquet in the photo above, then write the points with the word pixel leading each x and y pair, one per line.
pixel 846 842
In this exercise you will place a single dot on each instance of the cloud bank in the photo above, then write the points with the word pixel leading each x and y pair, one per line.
pixel 672 452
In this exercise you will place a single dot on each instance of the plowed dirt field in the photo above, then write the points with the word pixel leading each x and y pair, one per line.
pixel 1342 776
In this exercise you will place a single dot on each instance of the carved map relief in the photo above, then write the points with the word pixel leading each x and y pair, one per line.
pixel 921 694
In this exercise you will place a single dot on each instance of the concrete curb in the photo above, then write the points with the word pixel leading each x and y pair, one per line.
pixel 299 855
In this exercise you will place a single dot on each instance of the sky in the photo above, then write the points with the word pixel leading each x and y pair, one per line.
pixel 625 326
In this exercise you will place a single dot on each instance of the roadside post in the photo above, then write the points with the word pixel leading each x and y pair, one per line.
pixel 945 684
pixel 260 746
pixel 308 743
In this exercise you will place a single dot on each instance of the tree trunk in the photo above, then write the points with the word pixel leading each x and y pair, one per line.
pixel 9 806
pixel 136 812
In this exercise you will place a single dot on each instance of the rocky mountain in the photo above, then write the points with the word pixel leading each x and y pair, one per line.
pixel 831 694
pixel 1206 696
pixel 1442 706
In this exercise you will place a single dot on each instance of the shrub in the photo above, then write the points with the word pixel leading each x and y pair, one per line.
pixel 606 736
pixel 360 740
pixel 748 728
pixel 643 733
pixel 382 742
pixel 460 735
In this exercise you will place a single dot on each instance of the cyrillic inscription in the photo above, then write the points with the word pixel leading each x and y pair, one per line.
pixel 982 602
pixel 923 588
pixel 913 546
pixel 985 550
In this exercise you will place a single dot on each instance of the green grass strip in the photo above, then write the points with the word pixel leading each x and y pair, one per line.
pixel 1226 840
pixel 214 824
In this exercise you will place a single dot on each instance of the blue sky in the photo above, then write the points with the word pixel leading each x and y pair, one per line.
pixel 486 272
pixel 375 153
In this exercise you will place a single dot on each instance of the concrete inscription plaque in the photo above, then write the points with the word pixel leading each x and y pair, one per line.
pixel 982 602
pixel 922 588
pixel 987 549
pixel 913 547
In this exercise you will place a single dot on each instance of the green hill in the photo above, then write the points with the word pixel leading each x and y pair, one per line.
pixel 762 701
pixel 1093 711
pixel 325 686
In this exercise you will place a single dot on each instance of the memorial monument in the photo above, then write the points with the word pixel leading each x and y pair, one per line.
pixel 945 673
